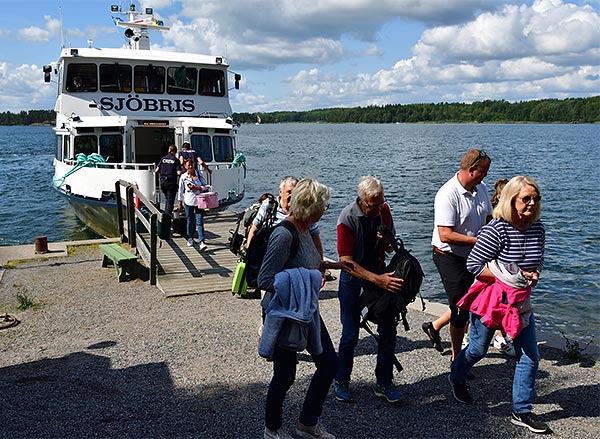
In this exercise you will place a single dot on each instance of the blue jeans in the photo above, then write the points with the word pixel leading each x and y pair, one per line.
pixel 195 219
pixel 284 374
pixel 348 293
pixel 526 349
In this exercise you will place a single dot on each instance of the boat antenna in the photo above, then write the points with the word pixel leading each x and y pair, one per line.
pixel 62 28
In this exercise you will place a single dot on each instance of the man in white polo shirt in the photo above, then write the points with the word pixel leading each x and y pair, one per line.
pixel 462 206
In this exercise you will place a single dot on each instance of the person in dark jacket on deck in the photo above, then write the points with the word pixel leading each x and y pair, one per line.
pixel 167 169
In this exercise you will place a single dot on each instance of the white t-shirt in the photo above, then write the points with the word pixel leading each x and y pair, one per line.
pixel 466 212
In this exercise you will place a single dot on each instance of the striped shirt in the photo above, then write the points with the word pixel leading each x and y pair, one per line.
pixel 500 240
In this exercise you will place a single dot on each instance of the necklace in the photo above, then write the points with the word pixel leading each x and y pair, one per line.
pixel 523 246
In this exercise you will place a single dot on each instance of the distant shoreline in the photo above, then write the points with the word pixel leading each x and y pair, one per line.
pixel 544 111
pixel 382 123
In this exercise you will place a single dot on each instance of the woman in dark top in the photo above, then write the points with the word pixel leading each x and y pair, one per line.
pixel 309 203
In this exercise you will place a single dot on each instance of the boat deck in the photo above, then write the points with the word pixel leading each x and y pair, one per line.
pixel 185 270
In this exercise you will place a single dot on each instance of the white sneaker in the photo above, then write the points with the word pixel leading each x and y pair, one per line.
pixel 316 432
pixel 190 243
pixel 504 345
pixel 203 246
pixel 276 434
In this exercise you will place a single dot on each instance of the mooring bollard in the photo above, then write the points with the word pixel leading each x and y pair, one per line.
pixel 41 244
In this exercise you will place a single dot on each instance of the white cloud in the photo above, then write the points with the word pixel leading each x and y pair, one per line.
pixel 514 53
pixel 37 34
pixel 24 83
pixel 267 33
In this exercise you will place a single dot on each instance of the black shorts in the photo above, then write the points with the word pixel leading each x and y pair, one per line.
pixel 456 280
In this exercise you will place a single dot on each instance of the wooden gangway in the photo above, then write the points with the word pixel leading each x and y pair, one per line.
pixel 175 268
pixel 184 270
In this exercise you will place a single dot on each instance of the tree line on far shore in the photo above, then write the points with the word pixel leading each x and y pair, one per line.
pixel 571 110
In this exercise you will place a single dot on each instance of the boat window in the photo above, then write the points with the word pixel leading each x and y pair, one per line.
pixel 181 80
pixel 223 148
pixel 86 145
pixel 59 150
pixel 201 144
pixel 81 78
pixel 211 82
pixel 66 147
pixel 115 78
pixel 149 79
pixel 111 147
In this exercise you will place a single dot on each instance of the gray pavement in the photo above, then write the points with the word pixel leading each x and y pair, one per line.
pixel 103 359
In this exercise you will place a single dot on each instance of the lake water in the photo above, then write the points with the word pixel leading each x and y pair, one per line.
pixel 412 161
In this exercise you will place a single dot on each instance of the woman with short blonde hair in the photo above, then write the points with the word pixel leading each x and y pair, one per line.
pixel 505 210
pixel 308 204
pixel 309 197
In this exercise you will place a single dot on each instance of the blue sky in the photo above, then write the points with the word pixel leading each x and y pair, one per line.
pixel 305 54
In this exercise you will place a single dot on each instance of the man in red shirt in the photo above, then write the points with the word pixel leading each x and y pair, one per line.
pixel 358 241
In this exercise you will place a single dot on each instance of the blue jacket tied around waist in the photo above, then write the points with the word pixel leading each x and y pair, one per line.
pixel 292 317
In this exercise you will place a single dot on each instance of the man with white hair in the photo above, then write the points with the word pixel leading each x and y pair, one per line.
pixel 357 241
pixel 282 211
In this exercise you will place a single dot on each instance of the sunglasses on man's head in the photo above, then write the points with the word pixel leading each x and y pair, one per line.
pixel 480 156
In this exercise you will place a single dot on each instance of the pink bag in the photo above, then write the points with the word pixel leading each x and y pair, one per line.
pixel 207 200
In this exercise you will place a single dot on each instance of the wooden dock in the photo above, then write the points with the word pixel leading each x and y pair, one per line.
pixel 185 270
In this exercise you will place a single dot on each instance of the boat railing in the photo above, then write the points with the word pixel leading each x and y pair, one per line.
pixel 109 165
pixel 134 200
pixel 214 115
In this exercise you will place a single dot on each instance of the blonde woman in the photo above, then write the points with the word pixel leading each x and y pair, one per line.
pixel 309 201
pixel 506 260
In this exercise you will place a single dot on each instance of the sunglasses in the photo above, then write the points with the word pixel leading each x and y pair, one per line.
pixel 375 206
pixel 480 156
pixel 528 198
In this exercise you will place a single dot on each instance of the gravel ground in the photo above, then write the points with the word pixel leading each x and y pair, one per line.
pixel 103 359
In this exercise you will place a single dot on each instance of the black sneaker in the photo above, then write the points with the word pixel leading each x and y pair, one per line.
pixel 460 391
pixel 530 421
pixel 434 336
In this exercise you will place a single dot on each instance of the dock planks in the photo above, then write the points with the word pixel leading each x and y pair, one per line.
pixel 185 270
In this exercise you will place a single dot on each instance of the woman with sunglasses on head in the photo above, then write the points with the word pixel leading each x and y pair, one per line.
pixel 506 260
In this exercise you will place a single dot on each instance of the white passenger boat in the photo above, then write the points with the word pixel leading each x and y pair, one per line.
pixel 118 110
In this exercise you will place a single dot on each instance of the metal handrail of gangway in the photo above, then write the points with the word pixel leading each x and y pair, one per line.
pixel 129 234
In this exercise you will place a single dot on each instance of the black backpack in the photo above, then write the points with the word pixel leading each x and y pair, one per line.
pixel 383 306
pixel 244 219
pixel 258 248
pixel 236 240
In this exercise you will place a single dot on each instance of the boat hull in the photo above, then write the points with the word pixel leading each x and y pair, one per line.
pixel 98 216
pixel 101 216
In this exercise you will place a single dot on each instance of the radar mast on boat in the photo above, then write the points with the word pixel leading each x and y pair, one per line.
pixel 137 25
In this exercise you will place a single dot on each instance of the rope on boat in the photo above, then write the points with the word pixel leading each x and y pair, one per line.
pixel 82 162
pixel 239 160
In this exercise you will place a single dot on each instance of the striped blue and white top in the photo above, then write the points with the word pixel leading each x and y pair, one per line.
pixel 500 240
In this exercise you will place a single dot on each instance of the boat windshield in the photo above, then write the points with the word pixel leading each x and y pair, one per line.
pixel 82 78
pixel 125 78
